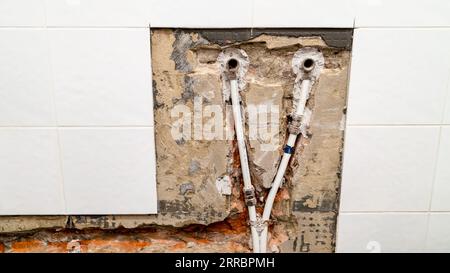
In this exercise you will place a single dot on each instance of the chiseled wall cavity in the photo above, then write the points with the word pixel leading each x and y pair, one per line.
pixel 199 186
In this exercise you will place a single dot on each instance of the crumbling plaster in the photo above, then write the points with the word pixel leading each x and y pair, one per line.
pixel 185 67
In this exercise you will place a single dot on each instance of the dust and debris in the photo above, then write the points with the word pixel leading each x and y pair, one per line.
pixel 194 167
pixel 187 188
pixel 223 185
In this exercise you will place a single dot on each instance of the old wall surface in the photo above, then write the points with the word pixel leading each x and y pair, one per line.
pixel 198 179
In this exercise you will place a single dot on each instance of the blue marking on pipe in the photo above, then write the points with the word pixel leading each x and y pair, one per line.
pixel 288 149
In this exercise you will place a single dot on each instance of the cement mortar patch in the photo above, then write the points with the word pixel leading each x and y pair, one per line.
pixel 26 223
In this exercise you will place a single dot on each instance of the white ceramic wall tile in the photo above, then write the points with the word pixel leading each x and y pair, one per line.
pixel 303 13
pixel 201 13
pixel 102 76
pixel 401 13
pixel 109 170
pixel 129 13
pixel 441 188
pixel 26 96
pixel 388 168
pixel 446 119
pixel 381 232
pixel 22 13
pixel 30 173
pixel 399 76
pixel 438 239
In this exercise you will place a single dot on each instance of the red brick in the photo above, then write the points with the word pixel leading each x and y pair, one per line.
pixel 114 246
pixel 28 246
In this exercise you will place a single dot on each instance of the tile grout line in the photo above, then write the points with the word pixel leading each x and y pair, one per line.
pixel 252 18
pixel 398 125
pixel 447 96
pixel 433 182
pixel 436 164
pixel 435 169
pixel 344 142
pixel 427 229
pixel 53 87
pixel 218 27
pixel 401 27
pixel 73 27
pixel 78 127
pixel 397 212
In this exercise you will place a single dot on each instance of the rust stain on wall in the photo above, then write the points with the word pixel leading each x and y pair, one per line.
pixel 194 214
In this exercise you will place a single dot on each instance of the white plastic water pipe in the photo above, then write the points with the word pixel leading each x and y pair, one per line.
pixel 310 71
pixel 305 89
pixel 239 129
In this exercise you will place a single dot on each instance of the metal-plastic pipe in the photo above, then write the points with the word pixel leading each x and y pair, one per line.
pixel 305 89
pixel 239 129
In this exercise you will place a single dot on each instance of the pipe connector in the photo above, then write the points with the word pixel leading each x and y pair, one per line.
pixel 249 196
pixel 295 125
pixel 259 224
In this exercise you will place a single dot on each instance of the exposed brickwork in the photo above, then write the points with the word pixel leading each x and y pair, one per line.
pixel 226 236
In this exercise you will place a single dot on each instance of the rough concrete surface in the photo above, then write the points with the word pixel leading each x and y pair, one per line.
pixel 199 185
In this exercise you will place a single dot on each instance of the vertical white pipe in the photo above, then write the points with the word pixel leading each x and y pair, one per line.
pixel 255 235
pixel 263 240
pixel 239 129
pixel 305 87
